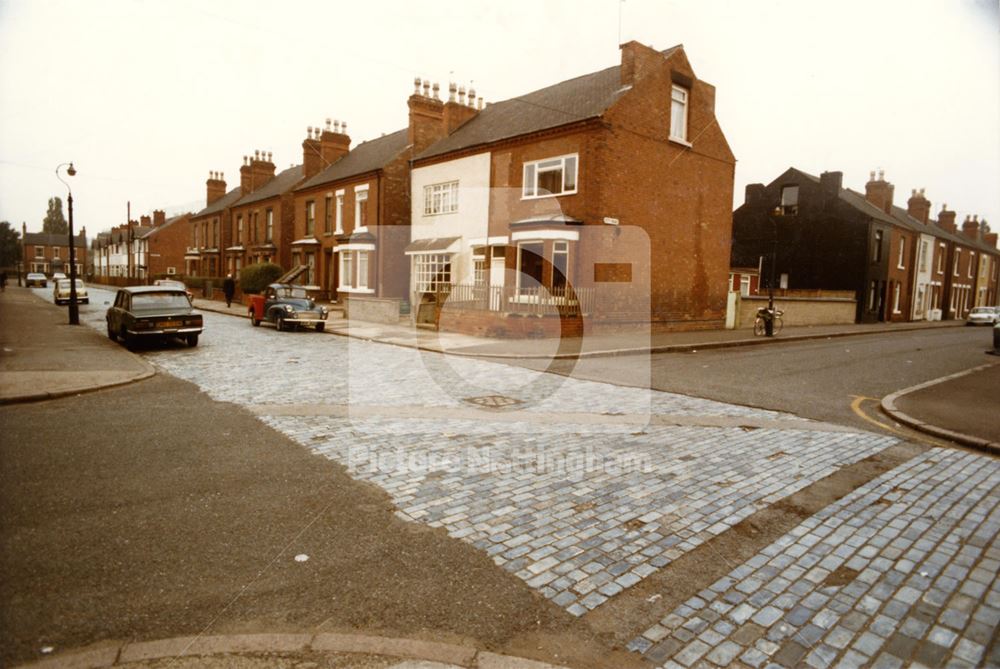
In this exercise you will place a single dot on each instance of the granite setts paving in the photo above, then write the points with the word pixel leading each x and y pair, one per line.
pixel 579 511
pixel 902 572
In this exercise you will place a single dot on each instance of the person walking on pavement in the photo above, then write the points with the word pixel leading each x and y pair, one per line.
pixel 229 289
pixel 3 281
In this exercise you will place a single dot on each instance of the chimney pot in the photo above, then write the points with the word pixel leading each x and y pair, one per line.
pixel 881 174
pixel 222 175
pixel 416 85
pixel 343 128
pixel 436 88
pixel 451 91
pixel 269 156
pixel 427 88
pixel 461 94
pixel 480 104
pixel 871 175
pixel 913 192
pixel 327 124
pixel 472 96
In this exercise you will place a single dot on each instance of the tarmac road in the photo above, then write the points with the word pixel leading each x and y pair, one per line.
pixel 151 511
pixel 818 379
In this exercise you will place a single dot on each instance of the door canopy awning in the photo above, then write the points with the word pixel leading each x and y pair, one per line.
pixel 433 245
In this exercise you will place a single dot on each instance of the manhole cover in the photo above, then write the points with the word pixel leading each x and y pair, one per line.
pixel 493 401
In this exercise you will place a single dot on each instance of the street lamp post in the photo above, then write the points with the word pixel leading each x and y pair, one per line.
pixel 74 309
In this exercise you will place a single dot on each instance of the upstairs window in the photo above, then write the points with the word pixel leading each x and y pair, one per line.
pixel 790 200
pixel 900 262
pixel 340 212
pixel 972 264
pixel 310 218
pixel 877 247
pixel 679 113
pixel 552 176
pixel 942 249
pixel 55 253
pixel 923 256
pixel 361 209
pixel 958 255
pixel 239 229
pixel 269 225
pixel 328 215
pixel 441 198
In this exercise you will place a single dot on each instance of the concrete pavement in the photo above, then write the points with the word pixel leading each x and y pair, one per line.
pixel 953 407
pixel 591 345
pixel 44 357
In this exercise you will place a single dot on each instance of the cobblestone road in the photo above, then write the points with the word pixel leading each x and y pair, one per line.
pixel 584 489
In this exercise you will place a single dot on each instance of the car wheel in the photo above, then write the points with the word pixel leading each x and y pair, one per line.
pixel 126 338
pixel 320 327
pixel 279 322
pixel 253 321
pixel 192 340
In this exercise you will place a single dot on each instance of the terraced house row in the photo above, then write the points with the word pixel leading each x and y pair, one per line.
pixel 608 195
pixel 896 264
pixel 603 200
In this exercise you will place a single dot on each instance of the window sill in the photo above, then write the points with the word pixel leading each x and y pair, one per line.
pixel 439 213
pixel 359 291
pixel 543 197
pixel 678 140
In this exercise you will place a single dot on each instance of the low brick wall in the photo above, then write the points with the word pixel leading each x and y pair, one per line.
pixel 799 310
pixel 508 326
pixel 372 309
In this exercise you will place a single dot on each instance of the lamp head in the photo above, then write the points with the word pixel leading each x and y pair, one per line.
pixel 71 171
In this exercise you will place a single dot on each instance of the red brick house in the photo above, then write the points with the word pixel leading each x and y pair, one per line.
pixel 613 188
pixel 162 248
pixel 47 253
pixel 260 221
pixel 351 214
pixel 204 257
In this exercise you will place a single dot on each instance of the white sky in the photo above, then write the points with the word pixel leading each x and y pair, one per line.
pixel 146 97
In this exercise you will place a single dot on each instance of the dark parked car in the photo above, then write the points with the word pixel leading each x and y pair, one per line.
pixel 144 312
pixel 287 306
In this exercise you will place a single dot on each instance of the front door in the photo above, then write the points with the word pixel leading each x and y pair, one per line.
pixel 498 263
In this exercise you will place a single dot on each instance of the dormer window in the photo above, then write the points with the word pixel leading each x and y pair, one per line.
pixel 789 200
pixel 679 113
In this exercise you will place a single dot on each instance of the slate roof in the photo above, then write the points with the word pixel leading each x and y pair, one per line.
pixel 281 183
pixel 365 157
pixel 569 101
pixel 49 239
pixel 902 218
pixel 226 200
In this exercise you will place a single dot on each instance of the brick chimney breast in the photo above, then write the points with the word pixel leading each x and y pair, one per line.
pixel 970 227
pixel 215 187
pixel 426 117
pixel 312 154
pixel 638 60
pixel 878 191
pixel 831 183
pixel 145 221
pixel 159 217
pixel 334 142
pixel 946 219
pixel 918 206
pixel 457 113
pixel 754 193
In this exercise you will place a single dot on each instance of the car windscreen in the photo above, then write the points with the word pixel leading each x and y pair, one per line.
pixel 164 300
pixel 64 283
pixel 293 291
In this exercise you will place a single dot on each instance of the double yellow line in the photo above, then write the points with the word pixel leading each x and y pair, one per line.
pixel 910 435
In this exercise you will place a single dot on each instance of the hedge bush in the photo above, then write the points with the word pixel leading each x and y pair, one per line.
pixel 255 278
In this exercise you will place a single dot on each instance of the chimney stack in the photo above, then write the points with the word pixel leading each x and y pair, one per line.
pixel 918 206
pixel 312 155
pixel 946 219
pixel 215 187
pixel 458 112
pixel 427 123
pixel 334 143
pixel 261 170
pixel 145 221
pixel 637 61
pixel 970 227
pixel 754 193
pixel 159 217
pixel 879 192
pixel 831 183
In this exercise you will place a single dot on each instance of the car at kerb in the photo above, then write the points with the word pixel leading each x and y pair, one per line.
pixel 287 306
pixel 60 292
pixel 152 312
pixel 36 279
pixel 983 316
pixel 172 283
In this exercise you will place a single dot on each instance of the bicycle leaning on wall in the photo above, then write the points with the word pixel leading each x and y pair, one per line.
pixel 764 315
